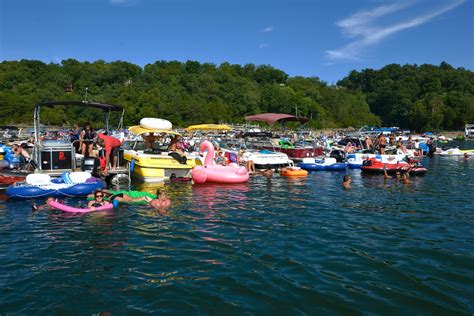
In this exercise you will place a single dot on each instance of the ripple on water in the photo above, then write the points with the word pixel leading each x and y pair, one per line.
pixel 282 246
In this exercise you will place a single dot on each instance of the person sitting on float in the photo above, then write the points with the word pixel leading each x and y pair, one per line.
pixel 220 159
pixel 98 200
pixel 121 197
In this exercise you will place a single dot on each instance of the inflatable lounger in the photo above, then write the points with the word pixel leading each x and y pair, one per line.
pixel 71 209
pixel 132 194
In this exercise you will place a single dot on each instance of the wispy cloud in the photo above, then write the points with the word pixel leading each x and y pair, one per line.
pixel 263 45
pixel 362 25
pixel 123 3
pixel 268 29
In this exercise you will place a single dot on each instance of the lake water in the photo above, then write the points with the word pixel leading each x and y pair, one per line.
pixel 278 246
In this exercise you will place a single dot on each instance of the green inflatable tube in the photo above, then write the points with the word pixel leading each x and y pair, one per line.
pixel 132 194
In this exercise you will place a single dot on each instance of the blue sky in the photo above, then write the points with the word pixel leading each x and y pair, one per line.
pixel 322 38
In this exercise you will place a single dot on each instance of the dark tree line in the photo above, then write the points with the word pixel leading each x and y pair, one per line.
pixel 424 97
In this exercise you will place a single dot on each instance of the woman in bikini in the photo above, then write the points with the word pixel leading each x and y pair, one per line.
pixel 98 200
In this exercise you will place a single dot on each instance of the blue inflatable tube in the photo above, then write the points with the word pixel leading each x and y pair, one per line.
pixel 26 191
pixel 321 167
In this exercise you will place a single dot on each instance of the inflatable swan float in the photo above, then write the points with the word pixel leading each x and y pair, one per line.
pixel 211 172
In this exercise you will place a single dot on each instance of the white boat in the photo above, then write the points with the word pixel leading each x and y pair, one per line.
pixel 267 159
pixel 469 131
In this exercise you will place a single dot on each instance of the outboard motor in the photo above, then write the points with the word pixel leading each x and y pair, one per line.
pixel 92 165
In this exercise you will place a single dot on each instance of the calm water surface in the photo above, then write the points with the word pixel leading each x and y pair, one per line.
pixel 276 246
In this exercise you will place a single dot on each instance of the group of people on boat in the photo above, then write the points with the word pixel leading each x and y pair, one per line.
pixel 86 138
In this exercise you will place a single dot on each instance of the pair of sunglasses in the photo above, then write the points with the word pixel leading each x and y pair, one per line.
pixel 99 195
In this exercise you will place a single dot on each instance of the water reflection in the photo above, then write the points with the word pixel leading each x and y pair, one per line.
pixel 211 196
pixel 273 245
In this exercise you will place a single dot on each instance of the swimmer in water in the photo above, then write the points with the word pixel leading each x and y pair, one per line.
pixel 346 182
pixel 162 201
pixel 43 207
pixel 405 179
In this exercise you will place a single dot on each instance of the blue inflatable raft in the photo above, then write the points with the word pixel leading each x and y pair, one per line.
pixel 326 164
pixel 40 185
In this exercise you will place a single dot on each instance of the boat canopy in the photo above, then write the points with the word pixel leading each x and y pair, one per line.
pixel 272 118
pixel 208 127
pixel 102 106
pixel 107 108
pixel 138 130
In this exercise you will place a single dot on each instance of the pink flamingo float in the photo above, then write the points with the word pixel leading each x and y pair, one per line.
pixel 210 172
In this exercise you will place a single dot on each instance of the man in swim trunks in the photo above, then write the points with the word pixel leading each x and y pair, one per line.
pixel 111 146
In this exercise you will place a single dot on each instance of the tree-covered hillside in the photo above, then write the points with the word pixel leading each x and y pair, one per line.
pixel 191 92
pixel 422 97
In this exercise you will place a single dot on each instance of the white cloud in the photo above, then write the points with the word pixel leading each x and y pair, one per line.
pixel 362 25
pixel 268 29
pixel 263 45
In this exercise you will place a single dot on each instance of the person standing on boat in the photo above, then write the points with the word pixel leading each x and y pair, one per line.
pixel 368 142
pixel 111 146
pixel 86 140
pixel 391 139
pixel 382 143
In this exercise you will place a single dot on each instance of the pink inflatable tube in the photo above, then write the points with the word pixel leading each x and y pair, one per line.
pixel 211 172
pixel 70 209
